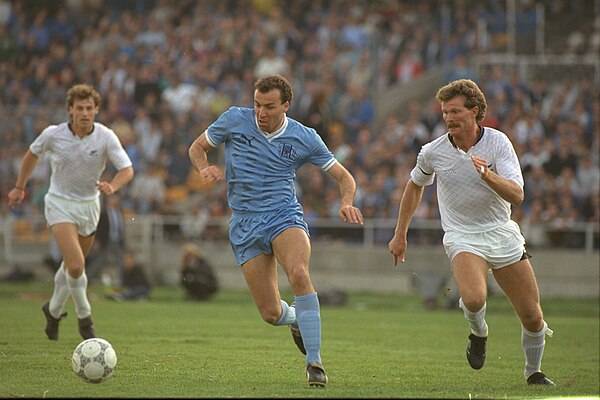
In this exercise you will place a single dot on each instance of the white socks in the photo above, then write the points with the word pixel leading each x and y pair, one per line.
pixel 533 346
pixel 65 285
pixel 61 292
pixel 476 319
pixel 288 314
pixel 533 343
pixel 77 289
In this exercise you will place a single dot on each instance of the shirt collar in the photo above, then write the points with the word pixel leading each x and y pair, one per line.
pixel 88 134
pixel 277 133
pixel 481 130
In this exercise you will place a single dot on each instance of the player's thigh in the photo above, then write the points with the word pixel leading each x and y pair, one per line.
pixel 292 249
pixel 260 273
pixel 470 274
pixel 520 286
pixel 86 243
pixel 67 239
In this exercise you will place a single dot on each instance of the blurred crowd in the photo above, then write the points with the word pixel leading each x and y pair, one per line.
pixel 166 69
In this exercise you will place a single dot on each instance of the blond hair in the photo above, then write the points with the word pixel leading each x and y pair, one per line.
pixel 82 91
pixel 469 90
pixel 190 249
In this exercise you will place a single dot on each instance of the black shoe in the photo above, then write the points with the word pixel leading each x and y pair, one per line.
pixel 476 351
pixel 51 322
pixel 316 374
pixel 538 378
pixel 85 328
pixel 297 336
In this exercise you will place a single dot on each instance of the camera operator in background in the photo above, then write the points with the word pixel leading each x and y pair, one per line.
pixel 197 276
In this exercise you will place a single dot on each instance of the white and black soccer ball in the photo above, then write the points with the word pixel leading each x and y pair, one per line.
pixel 94 360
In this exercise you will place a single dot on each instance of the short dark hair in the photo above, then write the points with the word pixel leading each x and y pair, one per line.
pixel 468 89
pixel 268 83
pixel 82 91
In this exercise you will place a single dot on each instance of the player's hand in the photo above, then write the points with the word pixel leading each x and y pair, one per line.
pixel 15 197
pixel 351 214
pixel 211 174
pixel 480 165
pixel 397 247
pixel 105 188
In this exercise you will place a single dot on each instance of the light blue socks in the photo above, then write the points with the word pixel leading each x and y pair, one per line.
pixel 308 316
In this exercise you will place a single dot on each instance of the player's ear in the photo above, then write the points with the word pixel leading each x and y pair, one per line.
pixel 286 106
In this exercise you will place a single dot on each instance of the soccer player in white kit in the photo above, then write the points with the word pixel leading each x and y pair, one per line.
pixel 479 177
pixel 78 151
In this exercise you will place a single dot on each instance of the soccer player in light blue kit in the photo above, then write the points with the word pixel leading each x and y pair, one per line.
pixel 263 150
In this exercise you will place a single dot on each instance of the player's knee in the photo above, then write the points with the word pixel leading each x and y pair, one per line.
pixel 533 321
pixel 75 271
pixel 299 277
pixel 474 303
pixel 270 314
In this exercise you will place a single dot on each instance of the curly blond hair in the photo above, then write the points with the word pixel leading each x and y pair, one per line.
pixel 469 90
pixel 82 91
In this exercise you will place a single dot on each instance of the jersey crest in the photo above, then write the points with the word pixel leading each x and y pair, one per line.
pixel 286 150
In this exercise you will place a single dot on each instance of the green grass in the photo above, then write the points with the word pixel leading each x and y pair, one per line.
pixel 375 346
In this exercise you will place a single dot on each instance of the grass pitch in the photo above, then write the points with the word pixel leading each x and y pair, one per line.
pixel 376 346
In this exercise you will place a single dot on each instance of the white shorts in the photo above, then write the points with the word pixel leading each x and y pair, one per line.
pixel 84 214
pixel 499 247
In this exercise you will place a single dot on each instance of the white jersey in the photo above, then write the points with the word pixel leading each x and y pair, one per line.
pixel 77 163
pixel 467 203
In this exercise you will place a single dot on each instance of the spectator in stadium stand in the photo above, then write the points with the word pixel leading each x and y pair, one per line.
pixel 263 150
pixel 197 275
pixel 134 283
pixel 479 177
pixel 105 32
pixel 78 150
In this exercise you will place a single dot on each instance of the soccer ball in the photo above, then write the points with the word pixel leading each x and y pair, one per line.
pixel 94 360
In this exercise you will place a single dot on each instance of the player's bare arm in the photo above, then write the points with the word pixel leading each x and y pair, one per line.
pixel 120 179
pixel 347 211
pixel 411 198
pixel 17 194
pixel 197 152
pixel 508 189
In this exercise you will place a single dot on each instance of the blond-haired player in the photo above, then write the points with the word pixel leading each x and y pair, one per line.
pixel 78 151
pixel 478 178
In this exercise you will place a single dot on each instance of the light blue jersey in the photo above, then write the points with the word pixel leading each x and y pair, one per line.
pixel 260 167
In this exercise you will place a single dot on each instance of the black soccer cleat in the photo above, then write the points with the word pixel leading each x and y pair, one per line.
pixel 316 374
pixel 476 351
pixel 85 327
pixel 51 322
pixel 538 378
pixel 297 336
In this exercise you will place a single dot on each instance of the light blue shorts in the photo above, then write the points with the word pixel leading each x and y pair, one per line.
pixel 251 234
pixel 84 214
pixel 499 247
